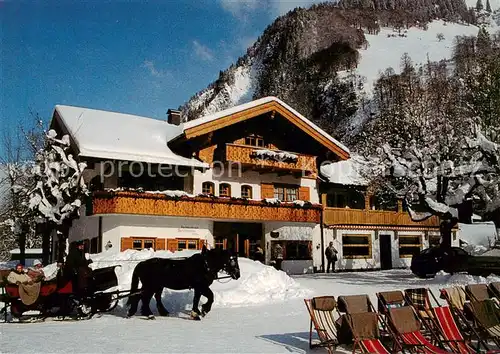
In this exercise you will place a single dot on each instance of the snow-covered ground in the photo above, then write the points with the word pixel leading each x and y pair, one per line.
pixel 262 312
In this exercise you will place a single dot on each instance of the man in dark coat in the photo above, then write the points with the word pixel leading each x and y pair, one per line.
pixel 77 268
pixel 331 257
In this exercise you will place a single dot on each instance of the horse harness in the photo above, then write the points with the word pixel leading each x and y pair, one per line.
pixel 215 274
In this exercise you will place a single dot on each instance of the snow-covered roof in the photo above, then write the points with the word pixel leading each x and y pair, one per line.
pixel 202 120
pixel 347 172
pixel 111 135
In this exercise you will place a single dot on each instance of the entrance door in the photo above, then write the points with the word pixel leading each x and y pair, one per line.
pixel 241 238
pixel 385 251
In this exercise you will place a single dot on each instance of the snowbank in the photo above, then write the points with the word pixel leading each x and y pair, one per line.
pixel 258 284
pixel 447 280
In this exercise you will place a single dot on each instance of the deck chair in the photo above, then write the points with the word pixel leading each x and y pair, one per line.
pixel 406 327
pixel 420 300
pixel 321 311
pixel 366 335
pixel 477 292
pixel 352 304
pixel 487 319
pixel 456 299
pixel 390 299
pixel 452 335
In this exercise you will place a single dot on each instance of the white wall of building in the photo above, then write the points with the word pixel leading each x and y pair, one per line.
pixel 236 179
pixel 114 227
pixel 290 231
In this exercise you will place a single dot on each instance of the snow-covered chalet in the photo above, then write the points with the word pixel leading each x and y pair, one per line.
pixel 253 175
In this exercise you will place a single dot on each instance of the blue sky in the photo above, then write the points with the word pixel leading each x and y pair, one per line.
pixel 126 56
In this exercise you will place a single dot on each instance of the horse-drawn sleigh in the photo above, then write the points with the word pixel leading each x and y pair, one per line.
pixel 59 298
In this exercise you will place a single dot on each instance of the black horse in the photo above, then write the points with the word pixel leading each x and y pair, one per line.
pixel 196 272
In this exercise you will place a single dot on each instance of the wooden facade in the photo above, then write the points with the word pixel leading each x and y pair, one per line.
pixel 374 218
pixel 244 155
pixel 200 207
pixel 273 108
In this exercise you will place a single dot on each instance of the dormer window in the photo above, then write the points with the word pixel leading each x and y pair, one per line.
pixel 224 190
pixel 207 188
pixel 255 140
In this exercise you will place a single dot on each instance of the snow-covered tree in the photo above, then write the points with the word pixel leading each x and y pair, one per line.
pixel 488 6
pixel 478 68
pixel 419 133
pixel 59 187
pixel 17 227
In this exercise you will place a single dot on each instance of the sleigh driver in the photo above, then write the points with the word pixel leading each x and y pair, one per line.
pixel 77 270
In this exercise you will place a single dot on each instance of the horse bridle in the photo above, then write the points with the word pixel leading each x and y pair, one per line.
pixel 231 262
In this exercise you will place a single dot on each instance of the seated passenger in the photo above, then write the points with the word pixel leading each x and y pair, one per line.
pixel 18 276
pixel 36 272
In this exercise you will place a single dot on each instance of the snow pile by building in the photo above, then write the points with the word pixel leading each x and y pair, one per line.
pixel 258 284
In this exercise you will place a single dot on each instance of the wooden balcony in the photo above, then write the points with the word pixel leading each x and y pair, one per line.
pixel 200 207
pixel 246 156
pixel 374 218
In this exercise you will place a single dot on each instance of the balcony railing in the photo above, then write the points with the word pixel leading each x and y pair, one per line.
pixel 248 156
pixel 342 216
pixel 201 207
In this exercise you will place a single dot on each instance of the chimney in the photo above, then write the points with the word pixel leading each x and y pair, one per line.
pixel 174 117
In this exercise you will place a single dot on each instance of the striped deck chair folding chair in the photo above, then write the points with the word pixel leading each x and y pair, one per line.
pixel 452 335
pixel 487 319
pixel 321 311
pixel 352 304
pixel 406 326
pixel 366 335
pixel 456 299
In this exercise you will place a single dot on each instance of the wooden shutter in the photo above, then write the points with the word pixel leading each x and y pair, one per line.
pixel 304 194
pixel 160 244
pixel 224 244
pixel 247 248
pixel 266 190
pixel 172 244
pixel 127 243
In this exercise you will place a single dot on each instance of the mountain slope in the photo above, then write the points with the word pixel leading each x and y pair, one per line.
pixel 323 60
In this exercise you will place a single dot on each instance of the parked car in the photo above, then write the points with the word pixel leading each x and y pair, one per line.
pixel 432 260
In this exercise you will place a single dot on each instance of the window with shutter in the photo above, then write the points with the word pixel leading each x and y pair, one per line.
pixel 160 244
pixel 127 243
pixel 266 190
pixel 304 193
pixel 172 244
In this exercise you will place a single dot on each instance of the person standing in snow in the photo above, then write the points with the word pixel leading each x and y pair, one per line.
pixel 259 254
pixel 278 255
pixel 331 257
pixel 76 267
